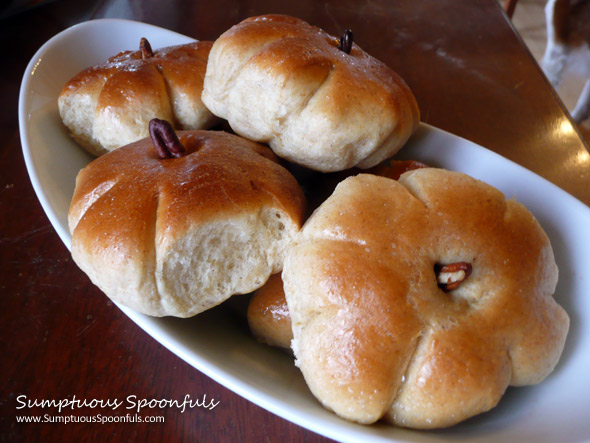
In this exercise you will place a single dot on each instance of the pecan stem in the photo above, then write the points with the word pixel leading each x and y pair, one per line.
pixel 145 48
pixel 450 276
pixel 346 41
pixel 165 140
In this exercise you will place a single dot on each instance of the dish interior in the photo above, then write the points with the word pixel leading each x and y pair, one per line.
pixel 218 343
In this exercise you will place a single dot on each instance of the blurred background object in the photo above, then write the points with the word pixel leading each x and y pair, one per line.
pixel 12 7
pixel 530 21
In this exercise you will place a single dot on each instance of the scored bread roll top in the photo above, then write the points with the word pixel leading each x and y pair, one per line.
pixel 374 334
pixel 268 312
pixel 279 80
pixel 110 105
pixel 178 236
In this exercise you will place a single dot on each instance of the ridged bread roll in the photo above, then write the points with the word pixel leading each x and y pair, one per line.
pixel 420 301
pixel 268 312
pixel 281 81
pixel 177 236
pixel 110 105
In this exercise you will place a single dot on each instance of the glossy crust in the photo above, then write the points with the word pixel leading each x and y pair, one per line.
pixel 374 335
pixel 178 236
pixel 109 105
pixel 268 314
pixel 278 80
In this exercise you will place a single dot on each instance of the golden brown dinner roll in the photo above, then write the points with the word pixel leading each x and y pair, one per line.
pixel 318 102
pixel 110 105
pixel 420 300
pixel 268 312
pixel 176 236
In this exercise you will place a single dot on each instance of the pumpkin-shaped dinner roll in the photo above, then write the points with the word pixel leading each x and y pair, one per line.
pixel 179 229
pixel 421 300
pixel 268 312
pixel 110 105
pixel 317 100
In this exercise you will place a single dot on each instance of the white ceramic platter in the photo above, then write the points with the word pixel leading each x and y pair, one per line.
pixel 217 345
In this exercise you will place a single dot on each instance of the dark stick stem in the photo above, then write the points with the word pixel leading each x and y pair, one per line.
pixel 346 41
pixel 165 140
pixel 145 48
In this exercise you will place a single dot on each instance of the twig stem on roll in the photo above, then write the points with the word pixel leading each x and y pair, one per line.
pixel 346 41
pixel 450 276
pixel 145 48
pixel 165 140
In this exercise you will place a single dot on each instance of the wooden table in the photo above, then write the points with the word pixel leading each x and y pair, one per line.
pixel 472 76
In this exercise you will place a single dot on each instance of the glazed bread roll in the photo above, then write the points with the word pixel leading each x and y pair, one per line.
pixel 280 81
pixel 110 105
pixel 177 236
pixel 268 312
pixel 421 300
